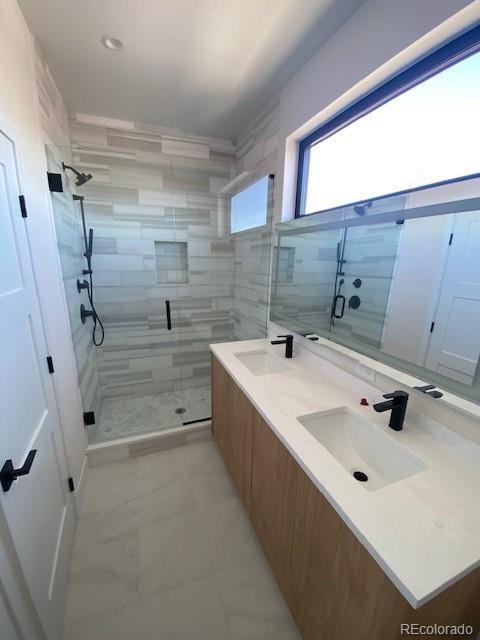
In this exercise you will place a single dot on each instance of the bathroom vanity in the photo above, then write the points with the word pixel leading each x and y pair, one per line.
pixel 353 559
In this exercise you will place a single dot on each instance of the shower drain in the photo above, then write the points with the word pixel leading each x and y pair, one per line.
pixel 180 410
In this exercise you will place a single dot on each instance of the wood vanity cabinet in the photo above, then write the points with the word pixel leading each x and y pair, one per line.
pixel 274 490
pixel 232 419
pixel 341 592
pixel 333 586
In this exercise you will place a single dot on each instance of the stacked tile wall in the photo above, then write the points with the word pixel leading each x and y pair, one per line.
pixel 257 155
pixel 154 184
pixel 54 122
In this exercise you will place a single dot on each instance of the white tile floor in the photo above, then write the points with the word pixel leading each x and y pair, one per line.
pixel 164 551
pixel 120 417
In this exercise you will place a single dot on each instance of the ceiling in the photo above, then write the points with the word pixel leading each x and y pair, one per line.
pixel 204 66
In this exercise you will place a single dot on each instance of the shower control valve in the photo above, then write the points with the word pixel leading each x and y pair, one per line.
pixel 85 313
pixel 82 285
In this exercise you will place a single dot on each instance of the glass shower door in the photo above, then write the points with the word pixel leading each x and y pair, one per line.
pixel 366 262
pixel 204 308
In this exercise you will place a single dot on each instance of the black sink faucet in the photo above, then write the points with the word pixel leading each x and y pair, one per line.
pixel 288 342
pixel 429 390
pixel 397 404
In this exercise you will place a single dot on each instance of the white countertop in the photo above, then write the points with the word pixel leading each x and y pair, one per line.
pixel 424 531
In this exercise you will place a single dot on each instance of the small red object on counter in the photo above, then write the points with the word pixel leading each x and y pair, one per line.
pixel 364 402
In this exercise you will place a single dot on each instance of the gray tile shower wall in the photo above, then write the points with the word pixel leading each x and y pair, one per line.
pixel 257 155
pixel 303 280
pixel 154 185
pixel 54 122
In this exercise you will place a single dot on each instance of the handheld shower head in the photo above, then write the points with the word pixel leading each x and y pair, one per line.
pixel 89 247
pixel 82 178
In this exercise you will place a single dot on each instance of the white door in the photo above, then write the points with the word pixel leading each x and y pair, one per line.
pixel 455 343
pixel 37 508
pixel 16 620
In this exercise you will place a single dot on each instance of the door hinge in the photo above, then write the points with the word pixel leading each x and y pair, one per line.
pixel 88 418
pixel 23 206
pixel 55 182
pixel 432 326
pixel 451 239
pixel 51 368
pixel 71 484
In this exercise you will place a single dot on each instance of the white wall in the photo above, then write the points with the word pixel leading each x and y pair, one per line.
pixel 19 119
pixel 380 39
pixel 418 274
pixel 423 251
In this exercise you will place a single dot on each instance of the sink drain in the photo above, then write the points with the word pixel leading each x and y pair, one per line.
pixel 360 476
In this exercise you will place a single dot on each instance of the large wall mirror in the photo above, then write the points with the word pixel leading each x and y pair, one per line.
pixel 397 279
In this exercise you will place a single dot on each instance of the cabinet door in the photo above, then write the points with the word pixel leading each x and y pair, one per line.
pixel 232 415
pixel 317 587
pixel 274 482
pixel 240 433
pixel 341 592
pixel 221 393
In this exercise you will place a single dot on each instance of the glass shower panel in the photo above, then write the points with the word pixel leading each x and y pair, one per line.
pixel 204 309
pixel 227 292
pixel 304 268
pixel 368 254
pixel 71 247
pixel 135 231
pixel 169 278
pixel 252 256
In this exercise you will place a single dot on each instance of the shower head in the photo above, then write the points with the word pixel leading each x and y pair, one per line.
pixel 360 208
pixel 82 178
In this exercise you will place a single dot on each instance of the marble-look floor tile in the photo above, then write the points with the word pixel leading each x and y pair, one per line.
pixel 170 501
pixel 156 470
pixel 172 554
pixel 252 601
pixel 103 577
pixel 110 485
pixel 229 534
pixel 164 549
pixel 126 623
pixel 191 612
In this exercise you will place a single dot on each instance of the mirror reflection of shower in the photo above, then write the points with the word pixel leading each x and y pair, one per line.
pixel 81 179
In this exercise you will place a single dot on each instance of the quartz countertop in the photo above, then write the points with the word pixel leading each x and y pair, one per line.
pixel 424 530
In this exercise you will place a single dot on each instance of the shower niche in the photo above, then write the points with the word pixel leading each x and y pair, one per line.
pixel 171 262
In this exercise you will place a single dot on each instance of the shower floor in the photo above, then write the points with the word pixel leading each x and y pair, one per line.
pixel 122 417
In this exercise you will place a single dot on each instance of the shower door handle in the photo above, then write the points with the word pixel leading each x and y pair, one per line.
pixel 169 317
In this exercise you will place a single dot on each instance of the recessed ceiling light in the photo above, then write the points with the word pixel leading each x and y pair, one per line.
pixel 111 43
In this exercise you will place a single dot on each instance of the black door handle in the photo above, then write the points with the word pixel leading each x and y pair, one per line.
pixel 8 474
pixel 169 317
pixel 337 298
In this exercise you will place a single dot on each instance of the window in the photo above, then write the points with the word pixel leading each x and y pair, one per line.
pixel 249 207
pixel 421 128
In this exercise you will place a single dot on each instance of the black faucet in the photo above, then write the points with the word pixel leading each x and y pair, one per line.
pixel 288 342
pixel 429 390
pixel 397 403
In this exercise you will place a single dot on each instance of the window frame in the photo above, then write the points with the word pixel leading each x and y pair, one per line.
pixel 246 185
pixel 447 55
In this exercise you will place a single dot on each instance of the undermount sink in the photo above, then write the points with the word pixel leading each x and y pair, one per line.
pixel 261 362
pixel 367 453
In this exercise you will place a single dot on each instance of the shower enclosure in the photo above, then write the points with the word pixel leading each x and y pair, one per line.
pixel 169 276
